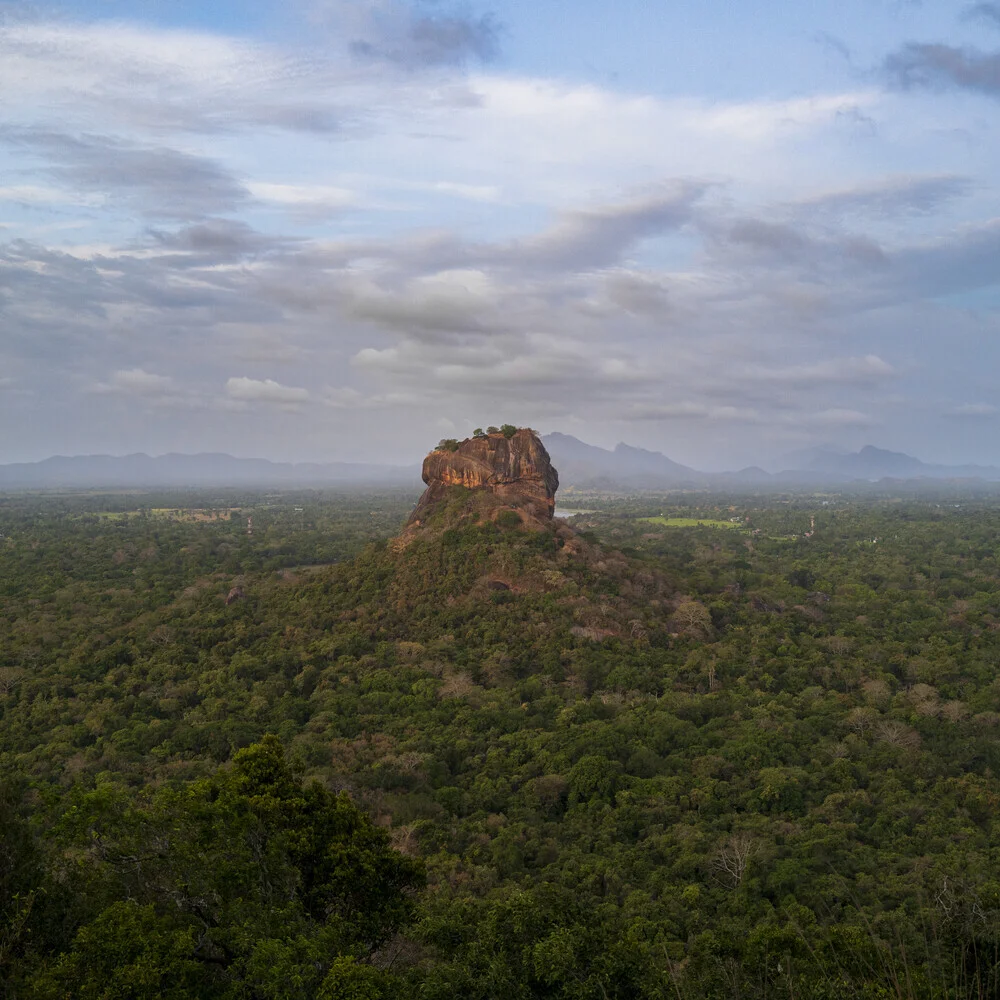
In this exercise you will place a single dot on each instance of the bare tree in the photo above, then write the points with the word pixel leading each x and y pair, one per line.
pixel 954 711
pixel 9 676
pixel 896 734
pixel 693 619
pixel 877 693
pixel 861 720
pixel 636 629
pixel 734 857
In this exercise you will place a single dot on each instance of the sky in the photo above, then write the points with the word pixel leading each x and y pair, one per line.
pixel 318 230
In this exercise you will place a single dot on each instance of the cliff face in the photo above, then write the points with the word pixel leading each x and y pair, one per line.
pixel 515 470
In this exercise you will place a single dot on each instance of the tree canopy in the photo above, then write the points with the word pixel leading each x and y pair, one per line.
pixel 685 750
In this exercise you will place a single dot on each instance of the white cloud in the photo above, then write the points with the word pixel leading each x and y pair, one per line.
pixel 34 194
pixel 136 382
pixel 837 417
pixel 865 369
pixel 974 410
pixel 343 397
pixel 887 196
pixel 139 76
pixel 248 390
pixel 458 299
pixel 722 271
pixel 692 411
pixel 472 192
pixel 568 137
pixel 304 198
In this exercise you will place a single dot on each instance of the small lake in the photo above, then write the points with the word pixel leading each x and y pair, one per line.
pixel 569 512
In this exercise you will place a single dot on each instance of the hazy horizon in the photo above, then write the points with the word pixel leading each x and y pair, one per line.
pixel 625 465
pixel 327 230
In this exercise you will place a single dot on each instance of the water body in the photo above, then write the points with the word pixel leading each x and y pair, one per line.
pixel 569 512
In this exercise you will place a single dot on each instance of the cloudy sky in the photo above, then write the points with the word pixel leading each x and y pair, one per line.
pixel 341 229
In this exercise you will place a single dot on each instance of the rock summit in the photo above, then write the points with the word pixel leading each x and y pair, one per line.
pixel 513 471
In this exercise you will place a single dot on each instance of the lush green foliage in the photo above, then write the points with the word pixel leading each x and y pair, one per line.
pixel 248 883
pixel 677 762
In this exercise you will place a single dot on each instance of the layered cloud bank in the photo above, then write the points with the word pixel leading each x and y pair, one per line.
pixel 352 240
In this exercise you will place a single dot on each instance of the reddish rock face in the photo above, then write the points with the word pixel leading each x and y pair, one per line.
pixel 517 470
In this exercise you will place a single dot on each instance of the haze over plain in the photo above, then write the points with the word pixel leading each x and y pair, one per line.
pixel 326 230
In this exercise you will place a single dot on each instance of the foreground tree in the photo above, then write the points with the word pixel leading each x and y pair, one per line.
pixel 248 884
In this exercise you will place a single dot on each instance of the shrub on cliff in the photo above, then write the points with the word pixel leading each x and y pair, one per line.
pixel 508 519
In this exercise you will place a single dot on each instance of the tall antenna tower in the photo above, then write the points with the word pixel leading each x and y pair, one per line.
pixel 250 526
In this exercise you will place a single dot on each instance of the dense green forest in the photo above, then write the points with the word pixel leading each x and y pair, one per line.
pixel 755 755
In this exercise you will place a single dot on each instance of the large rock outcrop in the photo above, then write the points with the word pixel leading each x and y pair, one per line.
pixel 515 472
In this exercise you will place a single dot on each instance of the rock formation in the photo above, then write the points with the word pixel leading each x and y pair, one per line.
pixel 515 473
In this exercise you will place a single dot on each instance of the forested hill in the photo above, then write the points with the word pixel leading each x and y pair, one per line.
pixel 710 751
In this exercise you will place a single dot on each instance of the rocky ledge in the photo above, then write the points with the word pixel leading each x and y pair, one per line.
pixel 516 470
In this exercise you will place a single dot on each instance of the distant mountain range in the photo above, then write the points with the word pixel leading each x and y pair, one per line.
pixel 578 463
pixel 877 463
pixel 175 470
pixel 585 465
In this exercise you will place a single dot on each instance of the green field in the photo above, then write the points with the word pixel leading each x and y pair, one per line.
pixel 688 522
